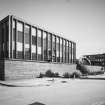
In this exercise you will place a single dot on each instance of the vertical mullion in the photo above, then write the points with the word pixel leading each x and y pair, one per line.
pixel 23 40
pixel 47 44
pixel 9 38
pixel 59 50
pixel 42 46
pixel 16 39
pixel 68 53
pixel 36 43
pixel 55 48
pixel 65 49
pixel 62 50
pixel 31 42
pixel 75 52
pixel 51 48
pixel 71 52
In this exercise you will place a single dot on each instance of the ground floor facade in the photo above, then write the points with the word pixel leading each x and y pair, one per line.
pixel 16 69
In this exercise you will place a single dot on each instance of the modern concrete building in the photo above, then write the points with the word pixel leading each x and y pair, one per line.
pixel 26 50
pixel 96 59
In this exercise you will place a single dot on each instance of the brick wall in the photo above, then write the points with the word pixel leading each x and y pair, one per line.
pixel 28 69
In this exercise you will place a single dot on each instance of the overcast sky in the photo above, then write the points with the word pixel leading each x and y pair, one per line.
pixel 82 21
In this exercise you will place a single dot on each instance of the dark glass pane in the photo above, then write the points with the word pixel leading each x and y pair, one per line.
pixel 49 47
pixel 70 52
pixel 64 49
pixel 61 50
pixel 14 39
pixel 67 52
pixel 27 42
pixel 34 43
pixel 45 45
pixel 57 49
pixel 19 40
pixel 53 49
pixel 39 40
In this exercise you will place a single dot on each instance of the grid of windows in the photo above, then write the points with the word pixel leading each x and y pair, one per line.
pixel 32 43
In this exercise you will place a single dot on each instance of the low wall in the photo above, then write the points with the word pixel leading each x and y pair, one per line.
pixel 93 68
pixel 28 69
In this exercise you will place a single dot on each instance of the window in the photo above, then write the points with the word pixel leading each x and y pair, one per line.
pixel 74 52
pixel 64 50
pixel 49 47
pixel 39 45
pixel 27 42
pixel 34 43
pixel 67 52
pixel 61 50
pixel 70 53
pixel 57 49
pixel 4 40
pixel 45 45
pixel 19 42
pixel 14 39
pixel 53 48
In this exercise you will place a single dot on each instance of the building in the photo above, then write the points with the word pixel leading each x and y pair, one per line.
pixel 96 59
pixel 26 49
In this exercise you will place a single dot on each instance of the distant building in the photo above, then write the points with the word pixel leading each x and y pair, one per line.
pixel 26 50
pixel 97 59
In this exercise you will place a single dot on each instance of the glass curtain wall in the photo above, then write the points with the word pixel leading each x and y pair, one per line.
pixel 44 46
pixel 34 43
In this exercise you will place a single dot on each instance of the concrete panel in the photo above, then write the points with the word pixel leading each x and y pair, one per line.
pixel 28 69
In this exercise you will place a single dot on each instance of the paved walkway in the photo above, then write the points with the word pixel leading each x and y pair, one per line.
pixel 43 81
pixel 28 83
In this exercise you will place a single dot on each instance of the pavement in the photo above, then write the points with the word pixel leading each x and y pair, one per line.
pixel 28 82
pixel 43 81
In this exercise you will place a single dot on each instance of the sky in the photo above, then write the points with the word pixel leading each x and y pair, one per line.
pixel 81 21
